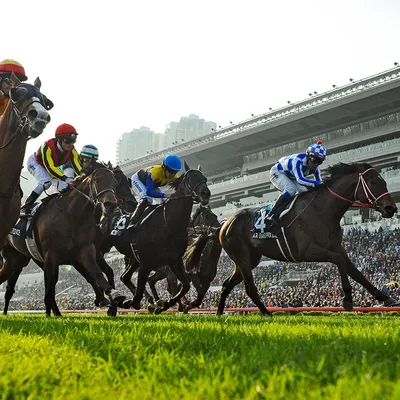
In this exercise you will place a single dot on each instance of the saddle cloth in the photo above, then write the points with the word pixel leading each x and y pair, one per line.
pixel 122 222
pixel 262 230
pixel 24 229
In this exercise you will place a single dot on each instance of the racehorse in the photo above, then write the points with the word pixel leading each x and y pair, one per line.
pixel 200 265
pixel 64 230
pixel 125 199
pixel 310 230
pixel 164 238
pixel 25 117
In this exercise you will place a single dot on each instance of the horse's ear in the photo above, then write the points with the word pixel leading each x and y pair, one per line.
pixel 199 167
pixel 48 103
pixel 109 165
pixel 186 166
pixel 37 83
pixel 15 80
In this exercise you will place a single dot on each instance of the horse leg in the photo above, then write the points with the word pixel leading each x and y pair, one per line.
pixel 87 257
pixel 227 287
pixel 159 275
pixel 143 275
pixel 126 276
pixel 108 271
pixel 100 300
pixel 179 270
pixel 11 282
pixel 201 289
pixel 317 253
pixel 13 263
pixel 51 270
pixel 356 274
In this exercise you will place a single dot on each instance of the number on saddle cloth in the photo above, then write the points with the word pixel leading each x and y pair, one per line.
pixel 261 230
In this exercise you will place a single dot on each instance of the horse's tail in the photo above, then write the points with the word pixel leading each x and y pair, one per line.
pixel 192 255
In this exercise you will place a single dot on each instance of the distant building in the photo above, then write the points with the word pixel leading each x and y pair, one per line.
pixel 186 129
pixel 135 144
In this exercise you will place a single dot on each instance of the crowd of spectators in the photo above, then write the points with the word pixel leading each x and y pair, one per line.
pixel 376 254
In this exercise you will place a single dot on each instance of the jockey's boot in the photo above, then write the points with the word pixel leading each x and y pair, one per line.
pixel 30 201
pixel 134 222
pixel 279 206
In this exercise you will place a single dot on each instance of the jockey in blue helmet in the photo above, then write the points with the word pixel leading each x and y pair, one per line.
pixel 289 175
pixel 147 183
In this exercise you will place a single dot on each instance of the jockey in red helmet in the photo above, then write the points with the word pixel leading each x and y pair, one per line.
pixel 44 163
pixel 6 68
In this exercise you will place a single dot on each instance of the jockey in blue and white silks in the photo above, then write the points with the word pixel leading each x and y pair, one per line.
pixel 291 174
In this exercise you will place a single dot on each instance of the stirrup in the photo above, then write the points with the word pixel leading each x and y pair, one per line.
pixel 25 212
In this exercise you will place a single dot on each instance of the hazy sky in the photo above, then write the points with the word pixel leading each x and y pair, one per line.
pixel 111 66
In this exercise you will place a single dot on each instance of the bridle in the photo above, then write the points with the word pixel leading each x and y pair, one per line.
pixel 372 199
pixel 23 119
pixel 93 192
pixel 192 193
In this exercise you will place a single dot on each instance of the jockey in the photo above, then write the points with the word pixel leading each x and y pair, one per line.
pixel 87 158
pixel 6 68
pixel 289 176
pixel 44 163
pixel 147 182
pixel 88 155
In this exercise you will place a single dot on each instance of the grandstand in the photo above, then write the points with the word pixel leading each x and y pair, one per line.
pixel 357 122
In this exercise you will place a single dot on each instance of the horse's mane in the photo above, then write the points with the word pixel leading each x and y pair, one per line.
pixel 339 170
pixel 175 184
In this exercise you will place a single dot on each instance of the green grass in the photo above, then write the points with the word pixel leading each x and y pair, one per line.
pixel 200 357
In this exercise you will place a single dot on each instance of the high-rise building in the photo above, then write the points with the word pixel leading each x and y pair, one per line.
pixel 186 129
pixel 135 144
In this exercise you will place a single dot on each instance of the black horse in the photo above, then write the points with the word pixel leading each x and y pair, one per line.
pixel 163 238
pixel 200 259
pixel 310 231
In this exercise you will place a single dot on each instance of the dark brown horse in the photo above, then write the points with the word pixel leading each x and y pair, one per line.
pixel 310 232
pixel 65 230
pixel 25 117
pixel 125 199
pixel 164 237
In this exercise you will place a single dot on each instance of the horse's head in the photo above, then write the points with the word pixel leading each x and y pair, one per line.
pixel 193 183
pixel 30 107
pixel 102 187
pixel 372 189
pixel 207 217
pixel 364 186
pixel 124 193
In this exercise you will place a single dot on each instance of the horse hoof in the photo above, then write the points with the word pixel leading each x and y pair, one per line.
pixel 103 303
pixel 151 309
pixel 127 304
pixel 162 303
pixel 158 310
pixel 136 306
pixel 348 305
pixel 391 302
pixel 116 296
pixel 112 312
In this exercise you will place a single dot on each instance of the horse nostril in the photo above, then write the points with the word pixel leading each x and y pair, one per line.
pixel 32 114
